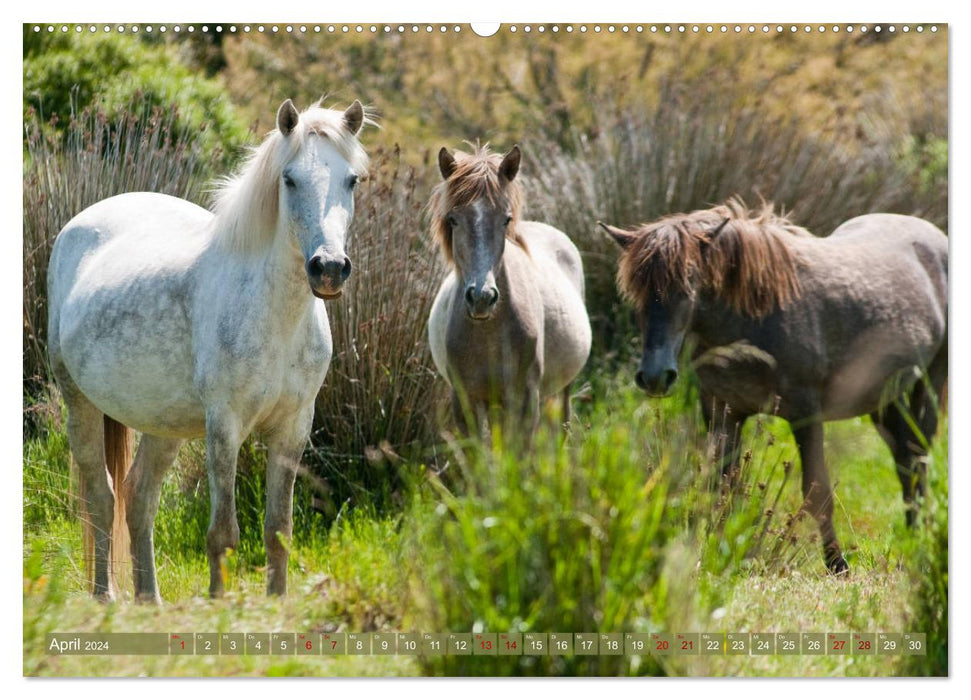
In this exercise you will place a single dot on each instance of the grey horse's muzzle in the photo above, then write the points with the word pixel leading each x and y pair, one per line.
pixel 327 275
pixel 481 302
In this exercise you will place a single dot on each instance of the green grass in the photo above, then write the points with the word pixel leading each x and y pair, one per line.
pixel 615 530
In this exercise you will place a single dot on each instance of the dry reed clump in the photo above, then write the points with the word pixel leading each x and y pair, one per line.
pixel 382 395
pixel 95 158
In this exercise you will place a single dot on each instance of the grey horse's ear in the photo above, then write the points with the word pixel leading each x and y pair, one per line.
pixel 287 117
pixel 510 164
pixel 446 163
pixel 621 237
pixel 354 117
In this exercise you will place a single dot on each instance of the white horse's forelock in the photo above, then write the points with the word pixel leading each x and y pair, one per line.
pixel 247 204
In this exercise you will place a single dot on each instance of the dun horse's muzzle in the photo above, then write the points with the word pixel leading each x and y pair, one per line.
pixel 656 385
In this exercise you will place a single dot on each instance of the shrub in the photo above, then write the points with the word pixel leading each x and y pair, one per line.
pixel 65 73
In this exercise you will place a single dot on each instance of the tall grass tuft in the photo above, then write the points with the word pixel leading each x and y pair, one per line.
pixel 601 535
pixel 930 568
pixel 93 158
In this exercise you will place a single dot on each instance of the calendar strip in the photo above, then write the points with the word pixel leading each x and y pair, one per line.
pixel 489 644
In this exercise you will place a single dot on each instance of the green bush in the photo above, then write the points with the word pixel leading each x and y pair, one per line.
pixel 65 73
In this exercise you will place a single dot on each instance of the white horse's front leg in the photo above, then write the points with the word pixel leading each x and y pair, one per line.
pixel 142 490
pixel 286 446
pixel 223 440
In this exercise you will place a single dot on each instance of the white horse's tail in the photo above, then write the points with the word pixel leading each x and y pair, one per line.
pixel 118 459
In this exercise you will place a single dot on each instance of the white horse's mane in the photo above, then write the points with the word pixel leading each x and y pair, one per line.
pixel 246 204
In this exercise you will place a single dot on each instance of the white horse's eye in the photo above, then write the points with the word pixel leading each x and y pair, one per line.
pixel 352 181
pixel 288 181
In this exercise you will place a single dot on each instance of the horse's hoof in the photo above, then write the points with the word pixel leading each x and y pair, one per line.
pixel 148 599
pixel 837 566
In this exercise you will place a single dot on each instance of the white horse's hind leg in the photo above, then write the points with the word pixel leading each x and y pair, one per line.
pixel 143 486
pixel 85 432
pixel 286 448
pixel 223 440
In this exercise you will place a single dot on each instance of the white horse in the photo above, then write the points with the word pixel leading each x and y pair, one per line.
pixel 181 323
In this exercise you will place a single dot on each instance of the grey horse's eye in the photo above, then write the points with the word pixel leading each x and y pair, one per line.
pixel 508 220
pixel 352 181
pixel 288 181
pixel 451 221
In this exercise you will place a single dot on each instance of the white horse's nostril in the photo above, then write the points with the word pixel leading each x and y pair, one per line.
pixel 315 268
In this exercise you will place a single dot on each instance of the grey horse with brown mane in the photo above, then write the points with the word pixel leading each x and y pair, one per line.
pixel 813 329
pixel 509 326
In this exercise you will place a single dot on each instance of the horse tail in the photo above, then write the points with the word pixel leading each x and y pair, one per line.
pixel 118 458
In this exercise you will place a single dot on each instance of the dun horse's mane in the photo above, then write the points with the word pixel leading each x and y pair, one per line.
pixel 246 204
pixel 476 176
pixel 744 257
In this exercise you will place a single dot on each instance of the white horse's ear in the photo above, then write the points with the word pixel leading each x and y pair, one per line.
pixel 510 165
pixel 446 163
pixel 287 118
pixel 621 237
pixel 354 117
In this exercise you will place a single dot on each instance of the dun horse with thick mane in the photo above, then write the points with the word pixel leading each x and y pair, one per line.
pixel 509 325
pixel 182 323
pixel 814 329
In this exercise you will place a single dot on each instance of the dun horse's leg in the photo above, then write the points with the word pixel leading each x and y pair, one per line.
pixel 817 493
pixel 907 454
pixel 908 447
pixel 281 470
pixel 725 428
pixel 223 440
pixel 85 432
pixel 142 489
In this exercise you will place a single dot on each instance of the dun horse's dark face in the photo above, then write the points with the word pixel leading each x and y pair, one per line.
pixel 664 324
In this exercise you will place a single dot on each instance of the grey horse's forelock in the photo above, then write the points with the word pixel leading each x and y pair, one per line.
pixel 246 204
pixel 476 177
